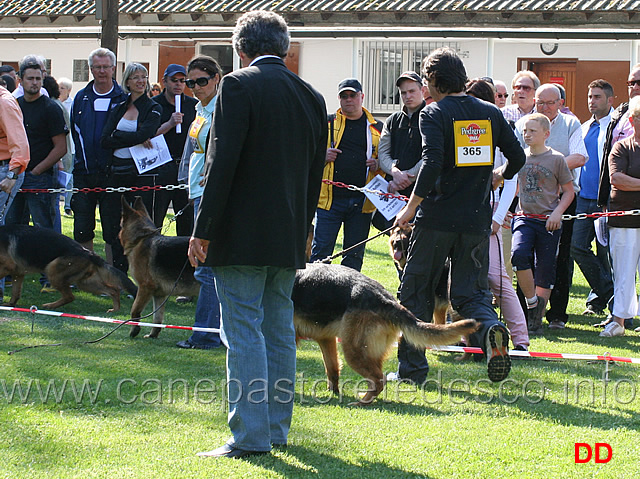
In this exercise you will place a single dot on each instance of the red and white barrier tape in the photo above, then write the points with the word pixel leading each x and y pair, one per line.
pixel 533 354
pixel 44 312
pixel 451 349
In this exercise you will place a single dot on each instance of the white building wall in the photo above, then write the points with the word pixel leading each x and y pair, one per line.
pixel 324 63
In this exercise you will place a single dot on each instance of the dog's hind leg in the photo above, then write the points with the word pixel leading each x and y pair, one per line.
pixel 142 299
pixel 158 315
pixel 16 288
pixel 365 342
pixel 331 362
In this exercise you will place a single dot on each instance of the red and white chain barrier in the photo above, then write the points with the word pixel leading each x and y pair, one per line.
pixel 108 189
pixel 34 310
pixel 580 216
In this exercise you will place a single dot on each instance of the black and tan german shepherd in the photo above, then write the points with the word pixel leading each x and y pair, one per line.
pixel 158 263
pixel 332 301
pixel 30 249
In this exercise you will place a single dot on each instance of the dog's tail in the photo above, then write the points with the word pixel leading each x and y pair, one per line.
pixel 423 335
pixel 114 276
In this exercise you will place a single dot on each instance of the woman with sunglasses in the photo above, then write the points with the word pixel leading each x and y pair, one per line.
pixel 156 89
pixel 203 77
pixel 130 123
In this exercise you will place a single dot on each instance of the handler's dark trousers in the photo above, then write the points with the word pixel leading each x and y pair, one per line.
pixel 469 290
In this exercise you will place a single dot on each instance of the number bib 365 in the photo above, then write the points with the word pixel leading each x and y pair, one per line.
pixel 473 142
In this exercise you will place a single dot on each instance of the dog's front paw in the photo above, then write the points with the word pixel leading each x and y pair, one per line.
pixel 135 330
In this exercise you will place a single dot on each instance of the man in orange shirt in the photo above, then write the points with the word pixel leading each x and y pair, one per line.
pixel 14 153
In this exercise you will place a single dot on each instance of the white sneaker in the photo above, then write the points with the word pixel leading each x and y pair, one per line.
pixel 612 329
pixel 393 376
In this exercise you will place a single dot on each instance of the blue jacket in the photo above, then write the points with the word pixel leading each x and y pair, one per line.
pixel 87 126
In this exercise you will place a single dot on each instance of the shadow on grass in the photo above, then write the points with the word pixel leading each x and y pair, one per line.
pixel 326 465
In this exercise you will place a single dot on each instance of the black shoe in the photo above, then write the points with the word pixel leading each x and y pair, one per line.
pixel 593 311
pixel 519 347
pixel 534 317
pixel 231 452
pixel 186 344
pixel 497 352
pixel 628 323
pixel 184 299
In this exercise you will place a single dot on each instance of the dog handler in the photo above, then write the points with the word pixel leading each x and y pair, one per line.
pixel 450 202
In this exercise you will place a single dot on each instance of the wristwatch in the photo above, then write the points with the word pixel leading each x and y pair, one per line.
pixel 11 175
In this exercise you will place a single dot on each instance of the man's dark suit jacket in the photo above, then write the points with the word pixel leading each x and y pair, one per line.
pixel 264 167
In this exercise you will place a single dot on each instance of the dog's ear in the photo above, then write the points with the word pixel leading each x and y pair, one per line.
pixel 138 205
pixel 126 209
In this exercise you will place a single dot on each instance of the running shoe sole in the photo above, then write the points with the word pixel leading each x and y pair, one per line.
pixel 497 351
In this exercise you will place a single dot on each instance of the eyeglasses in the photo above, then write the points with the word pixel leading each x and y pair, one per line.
pixel 202 81
pixel 101 68
pixel 546 103
pixel 344 95
pixel 138 78
pixel 632 83
pixel 523 87
pixel 502 95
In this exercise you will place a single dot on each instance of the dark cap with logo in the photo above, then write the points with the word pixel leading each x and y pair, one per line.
pixel 410 75
pixel 173 68
pixel 350 84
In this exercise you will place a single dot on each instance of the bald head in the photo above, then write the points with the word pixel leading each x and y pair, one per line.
pixel 633 82
pixel 548 100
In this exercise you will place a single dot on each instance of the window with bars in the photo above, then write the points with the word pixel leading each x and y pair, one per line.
pixel 383 62
pixel 81 70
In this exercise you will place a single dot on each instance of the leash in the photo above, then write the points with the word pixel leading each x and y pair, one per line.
pixel 113 330
pixel 328 259
pixel 4 208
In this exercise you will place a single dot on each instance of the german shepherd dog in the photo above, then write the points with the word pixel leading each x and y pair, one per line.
pixel 158 263
pixel 30 249
pixel 332 301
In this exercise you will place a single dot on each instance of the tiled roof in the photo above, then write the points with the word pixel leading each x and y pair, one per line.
pixel 54 8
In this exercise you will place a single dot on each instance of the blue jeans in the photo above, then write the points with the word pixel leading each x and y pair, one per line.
pixel 207 307
pixel 6 200
pixel 596 268
pixel 347 211
pixel 38 205
pixel 257 328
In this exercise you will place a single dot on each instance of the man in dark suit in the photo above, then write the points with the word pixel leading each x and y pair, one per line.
pixel 263 177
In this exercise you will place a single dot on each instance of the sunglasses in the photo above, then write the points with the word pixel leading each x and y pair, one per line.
pixel 344 96
pixel 523 87
pixel 502 95
pixel 178 80
pixel 632 83
pixel 202 81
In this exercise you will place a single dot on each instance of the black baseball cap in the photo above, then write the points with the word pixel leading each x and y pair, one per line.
pixel 410 75
pixel 350 84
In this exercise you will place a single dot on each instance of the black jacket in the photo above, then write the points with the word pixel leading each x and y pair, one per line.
pixel 149 113
pixel 264 167
pixel 604 187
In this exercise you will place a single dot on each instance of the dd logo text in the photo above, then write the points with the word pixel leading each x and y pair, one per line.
pixel 596 452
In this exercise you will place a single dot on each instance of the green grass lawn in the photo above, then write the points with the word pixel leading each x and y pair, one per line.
pixel 142 408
